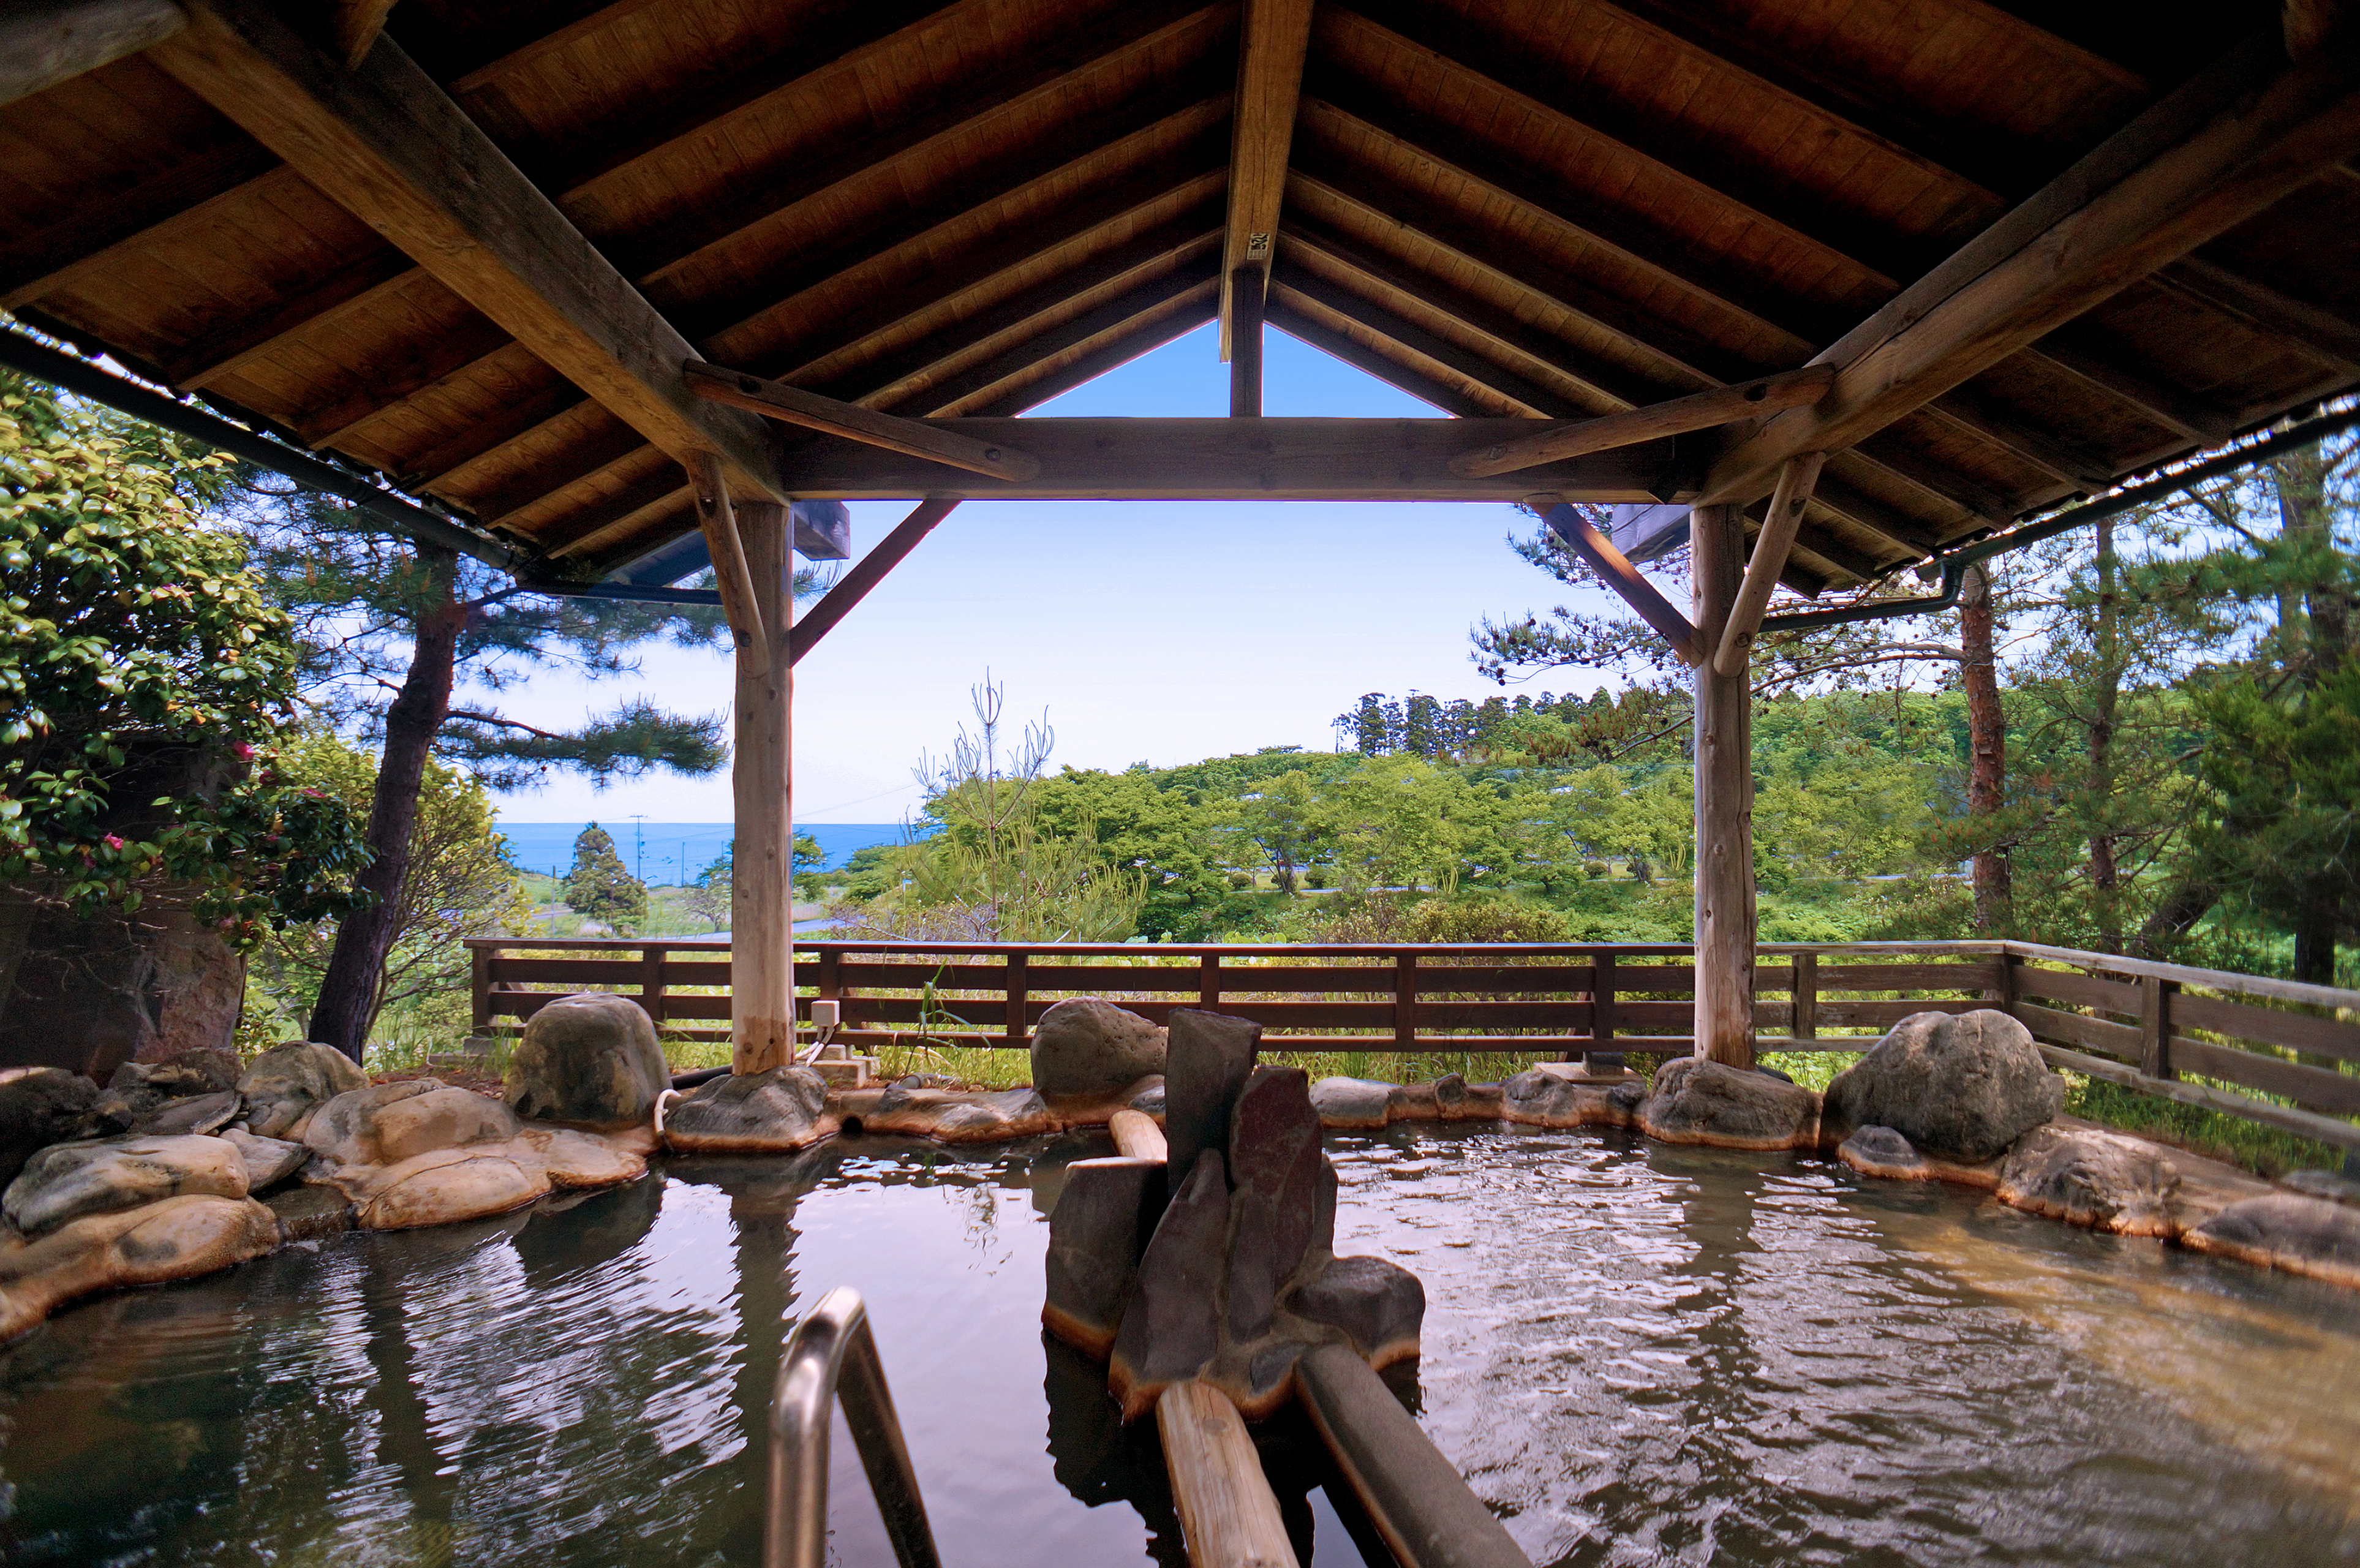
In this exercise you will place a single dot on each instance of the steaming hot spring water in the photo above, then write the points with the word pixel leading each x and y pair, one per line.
pixel 1635 1352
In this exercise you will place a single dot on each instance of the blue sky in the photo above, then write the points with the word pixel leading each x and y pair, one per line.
pixel 1154 631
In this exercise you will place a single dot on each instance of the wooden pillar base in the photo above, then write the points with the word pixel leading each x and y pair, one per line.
pixel 1724 804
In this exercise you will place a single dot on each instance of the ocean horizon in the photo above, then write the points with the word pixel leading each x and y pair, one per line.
pixel 670 854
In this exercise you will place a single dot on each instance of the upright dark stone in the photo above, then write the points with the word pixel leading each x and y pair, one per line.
pixel 1105 1212
pixel 1171 1327
pixel 36 1110
pixel 1275 1168
pixel 1379 1307
pixel 1206 1065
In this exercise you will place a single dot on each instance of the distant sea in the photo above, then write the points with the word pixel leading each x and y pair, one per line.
pixel 658 851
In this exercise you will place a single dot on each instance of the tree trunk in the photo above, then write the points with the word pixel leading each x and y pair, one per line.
pixel 2105 877
pixel 1987 745
pixel 348 991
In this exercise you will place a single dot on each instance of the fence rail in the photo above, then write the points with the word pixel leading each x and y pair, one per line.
pixel 2147 1026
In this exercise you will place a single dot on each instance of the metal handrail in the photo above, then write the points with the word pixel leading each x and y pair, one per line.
pixel 833 1353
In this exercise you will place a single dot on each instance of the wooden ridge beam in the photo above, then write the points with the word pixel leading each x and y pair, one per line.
pixel 1616 571
pixel 2214 154
pixel 389 146
pixel 864 575
pixel 996 459
pixel 1698 411
pixel 1219 458
pixel 1769 562
pixel 1274 38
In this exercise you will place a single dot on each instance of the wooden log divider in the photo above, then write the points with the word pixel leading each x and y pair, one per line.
pixel 1228 1516
pixel 1017 996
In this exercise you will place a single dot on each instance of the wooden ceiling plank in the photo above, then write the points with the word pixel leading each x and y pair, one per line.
pixel 387 145
pixel 351 289
pixel 354 27
pixel 583 457
pixel 1698 411
pixel 2098 229
pixel 1114 315
pixel 1151 459
pixel 1301 289
pixel 2327 335
pixel 2182 412
pixel 912 438
pixel 103 231
pixel 666 489
pixel 439 466
pixel 1274 38
pixel 1964 409
pixel 1157 331
pixel 1284 316
pixel 549 43
pixel 444 360
pixel 43 45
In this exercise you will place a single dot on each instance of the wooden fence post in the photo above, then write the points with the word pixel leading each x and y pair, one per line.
pixel 1806 996
pixel 1405 1000
pixel 2155 1025
pixel 2009 991
pixel 651 982
pixel 1601 1059
pixel 1018 994
pixel 479 989
pixel 1208 981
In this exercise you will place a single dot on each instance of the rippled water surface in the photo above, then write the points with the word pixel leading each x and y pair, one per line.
pixel 1637 1355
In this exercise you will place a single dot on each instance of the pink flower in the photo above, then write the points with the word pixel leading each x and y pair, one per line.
pixel 312 794
pixel 113 842
pixel 242 751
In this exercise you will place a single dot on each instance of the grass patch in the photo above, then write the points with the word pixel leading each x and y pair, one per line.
pixel 2216 1134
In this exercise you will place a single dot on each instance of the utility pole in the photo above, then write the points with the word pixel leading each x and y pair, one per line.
pixel 640 847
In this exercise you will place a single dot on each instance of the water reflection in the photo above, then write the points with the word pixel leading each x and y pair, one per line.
pixel 1638 1354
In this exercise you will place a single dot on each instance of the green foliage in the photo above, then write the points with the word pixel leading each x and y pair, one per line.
pixel 461 884
pixel 600 887
pixel 143 678
pixel 2282 829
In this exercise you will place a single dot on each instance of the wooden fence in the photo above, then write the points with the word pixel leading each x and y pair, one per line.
pixel 2147 1026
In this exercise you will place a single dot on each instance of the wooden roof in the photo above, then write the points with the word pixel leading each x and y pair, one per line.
pixel 1513 209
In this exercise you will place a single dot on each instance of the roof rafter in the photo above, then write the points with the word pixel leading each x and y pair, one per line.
pixel 1271 44
pixel 387 145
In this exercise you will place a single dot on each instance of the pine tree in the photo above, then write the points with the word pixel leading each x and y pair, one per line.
pixel 599 887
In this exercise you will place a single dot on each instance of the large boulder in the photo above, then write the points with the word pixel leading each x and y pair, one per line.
pixel 2288 1231
pixel 178 1239
pixel 66 1181
pixel 445 1186
pixel 1083 1048
pixel 386 1124
pixel 1379 1306
pixel 1960 1086
pixel 137 1092
pixel 268 1160
pixel 1352 1104
pixel 93 991
pixel 1211 1056
pixel 995 1118
pixel 285 1084
pixel 2098 1178
pixel 591 1058
pixel 775 1112
pixel 39 1106
pixel 1697 1101
pixel 1276 1168
pixel 1105 1212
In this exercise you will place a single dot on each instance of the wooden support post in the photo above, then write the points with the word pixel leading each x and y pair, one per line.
pixel 1771 547
pixel 1017 996
pixel 651 982
pixel 1208 981
pixel 2155 1025
pixel 1805 1024
pixel 1246 290
pixel 740 604
pixel 761 903
pixel 1724 807
pixel 1405 1001
pixel 1228 1514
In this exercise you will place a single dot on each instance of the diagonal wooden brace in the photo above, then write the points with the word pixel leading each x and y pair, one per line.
pixel 1616 571
pixel 1771 547
pixel 731 575
pixel 913 438
pixel 866 574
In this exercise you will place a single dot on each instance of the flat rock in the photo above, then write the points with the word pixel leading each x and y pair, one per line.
pixel 196 1114
pixel 386 1124
pixel 1105 1212
pixel 1172 1326
pixel 1960 1086
pixel 445 1186
pixel 285 1084
pixel 574 1158
pixel 994 1118
pixel 1701 1102
pixel 591 1058
pixel 1881 1151
pixel 1273 1168
pixel 1535 1098
pixel 268 1160
pixel 2327 1184
pixel 68 1181
pixel 38 1108
pixel 1353 1103
pixel 1379 1307
pixel 201 1071
pixel 775 1112
pixel 1087 1048
pixel 2286 1231
pixel 1150 1101
pixel 2101 1179
pixel 308 1212
pixel 177 1238
pixel 1211 1055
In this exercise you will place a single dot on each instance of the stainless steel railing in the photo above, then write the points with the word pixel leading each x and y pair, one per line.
pixel 833 1354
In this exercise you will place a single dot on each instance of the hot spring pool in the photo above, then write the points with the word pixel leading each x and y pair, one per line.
pixel 1637 1353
